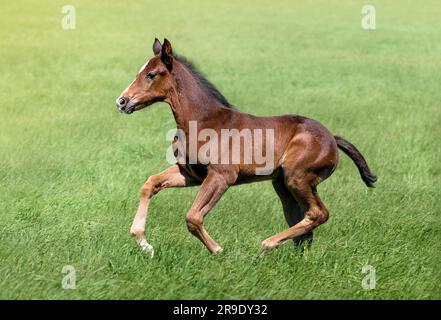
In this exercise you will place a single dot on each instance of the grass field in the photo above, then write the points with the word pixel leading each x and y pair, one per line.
pixel 71 166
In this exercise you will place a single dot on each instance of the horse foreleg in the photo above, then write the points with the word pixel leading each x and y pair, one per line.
pixel 212 189
pixel 171 177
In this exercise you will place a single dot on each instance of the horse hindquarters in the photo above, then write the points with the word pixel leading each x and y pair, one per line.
pixel 310 157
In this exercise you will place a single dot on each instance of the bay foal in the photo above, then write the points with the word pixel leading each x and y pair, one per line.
pixel 304 152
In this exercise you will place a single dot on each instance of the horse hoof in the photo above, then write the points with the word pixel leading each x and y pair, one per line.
pixel 218 251
pixel 147 247
pixel 267 245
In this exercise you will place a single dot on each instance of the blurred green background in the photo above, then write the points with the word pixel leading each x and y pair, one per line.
pixel 71 165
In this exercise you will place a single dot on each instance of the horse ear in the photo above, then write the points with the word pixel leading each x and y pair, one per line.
pixel 157 47
pixel 167 54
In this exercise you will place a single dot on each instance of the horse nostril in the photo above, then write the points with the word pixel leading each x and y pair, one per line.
pixel 122 102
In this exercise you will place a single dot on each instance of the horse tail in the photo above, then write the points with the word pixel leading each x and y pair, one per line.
pixel 368 177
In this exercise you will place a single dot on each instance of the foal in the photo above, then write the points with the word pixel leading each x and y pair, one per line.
pixel 303 152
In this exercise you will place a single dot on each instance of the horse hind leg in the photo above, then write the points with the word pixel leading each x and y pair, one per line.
pixel 315 215
pixel 292 210
pixel 310 158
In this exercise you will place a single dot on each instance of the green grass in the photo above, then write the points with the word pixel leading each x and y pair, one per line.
pixel 71 166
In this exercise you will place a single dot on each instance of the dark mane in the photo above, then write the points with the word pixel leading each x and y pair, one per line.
pixel 204 83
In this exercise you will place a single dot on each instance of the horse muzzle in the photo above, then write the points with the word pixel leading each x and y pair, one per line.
pixel 125 105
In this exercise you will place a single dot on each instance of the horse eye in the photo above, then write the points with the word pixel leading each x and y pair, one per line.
pixel 151 75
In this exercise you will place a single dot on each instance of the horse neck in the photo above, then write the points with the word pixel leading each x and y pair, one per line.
pixel 190 102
